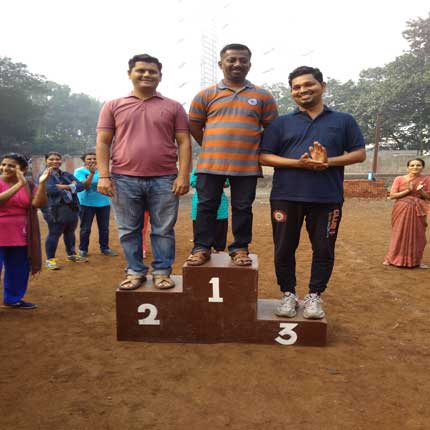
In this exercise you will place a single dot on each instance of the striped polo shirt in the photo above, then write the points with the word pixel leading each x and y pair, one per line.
pixel 233 125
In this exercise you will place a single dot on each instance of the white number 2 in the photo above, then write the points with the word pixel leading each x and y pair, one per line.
pixel 287 330
pixel 152 315
pixel 215 291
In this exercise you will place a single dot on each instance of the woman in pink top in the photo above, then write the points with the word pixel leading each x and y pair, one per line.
pixel 19 234
pixel 408 237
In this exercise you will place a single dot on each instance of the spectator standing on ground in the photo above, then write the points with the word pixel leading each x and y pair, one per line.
pixel 20 251
pixel 411 194
pixel 62 211
pixel 151 133
pixel 309 149
pixel 92 203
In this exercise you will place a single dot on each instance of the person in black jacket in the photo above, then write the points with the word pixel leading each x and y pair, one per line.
pixel 62 211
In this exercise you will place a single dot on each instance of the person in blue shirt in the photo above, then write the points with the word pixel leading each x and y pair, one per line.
pixel 62 211
pixel 92 203
pixel 308 149
pixel 221 226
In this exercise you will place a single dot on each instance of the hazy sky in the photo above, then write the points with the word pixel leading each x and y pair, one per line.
pixel 86 43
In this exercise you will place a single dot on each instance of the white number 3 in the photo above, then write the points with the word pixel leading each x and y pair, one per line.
pixel 152 314
pixel 287 330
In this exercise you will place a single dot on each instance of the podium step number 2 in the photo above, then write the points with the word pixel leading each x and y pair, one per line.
pixel 215 302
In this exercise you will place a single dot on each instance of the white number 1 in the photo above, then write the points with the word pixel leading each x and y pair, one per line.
pixel 215 291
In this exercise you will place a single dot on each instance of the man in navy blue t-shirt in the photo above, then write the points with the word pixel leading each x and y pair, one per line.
pixel 308 149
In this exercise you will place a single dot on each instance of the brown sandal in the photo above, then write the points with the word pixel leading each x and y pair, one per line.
pixel 163 282
pixel 132 282
pixel 198 258
pixel 241 258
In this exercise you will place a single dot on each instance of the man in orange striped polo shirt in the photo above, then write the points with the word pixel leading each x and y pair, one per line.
pixel 227 120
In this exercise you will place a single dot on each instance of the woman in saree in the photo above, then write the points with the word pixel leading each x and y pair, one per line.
pixel 411 193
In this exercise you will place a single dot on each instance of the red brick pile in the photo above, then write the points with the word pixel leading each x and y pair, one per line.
pixel 364 188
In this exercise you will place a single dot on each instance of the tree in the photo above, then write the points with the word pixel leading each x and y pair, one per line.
pixel 37 116
pixel 69 122
pixel 417 34
pixel 282 95
pixel 21 106
pixel 398 91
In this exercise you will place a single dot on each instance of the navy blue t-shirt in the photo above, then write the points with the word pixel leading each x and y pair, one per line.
pixel 291 135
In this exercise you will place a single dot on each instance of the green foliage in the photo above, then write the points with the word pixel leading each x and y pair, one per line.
pixel 398 91
pixel 69 123
pixel 282 95
pixel 37 116
pixel 21 106
pixel 418 36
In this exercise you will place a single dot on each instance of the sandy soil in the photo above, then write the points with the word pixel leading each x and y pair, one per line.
pixel 62 367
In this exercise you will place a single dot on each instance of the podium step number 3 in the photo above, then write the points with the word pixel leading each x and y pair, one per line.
pixel 215 302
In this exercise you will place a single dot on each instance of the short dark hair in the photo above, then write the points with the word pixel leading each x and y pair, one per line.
pixel 306 70
pixel 146 58
pixel 48 154
pixel 84 155
pixel 235 46
pixel 416 159
pixel 19 158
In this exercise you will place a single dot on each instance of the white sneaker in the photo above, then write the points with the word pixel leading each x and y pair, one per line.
pixel 287 307
pixel 313 308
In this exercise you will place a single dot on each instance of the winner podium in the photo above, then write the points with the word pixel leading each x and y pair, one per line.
pixel 214 302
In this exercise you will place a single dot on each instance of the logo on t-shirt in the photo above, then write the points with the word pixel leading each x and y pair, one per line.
pixel 252 102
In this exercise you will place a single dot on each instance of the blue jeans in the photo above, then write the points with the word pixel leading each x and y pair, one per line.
pixel 55 230
pixel 134 195
pixel 86 214
pixel 16 272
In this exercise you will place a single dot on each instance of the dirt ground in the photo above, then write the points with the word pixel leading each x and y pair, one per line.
pixel 62 367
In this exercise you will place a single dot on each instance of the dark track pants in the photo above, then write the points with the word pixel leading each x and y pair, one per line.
pixel 322 223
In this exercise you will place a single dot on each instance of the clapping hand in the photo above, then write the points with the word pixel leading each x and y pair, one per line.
pixel 20 175
pixel 45 175
pixel 317 160
pixel 318 153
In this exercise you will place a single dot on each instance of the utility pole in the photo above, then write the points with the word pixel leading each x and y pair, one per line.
pixel 371 176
